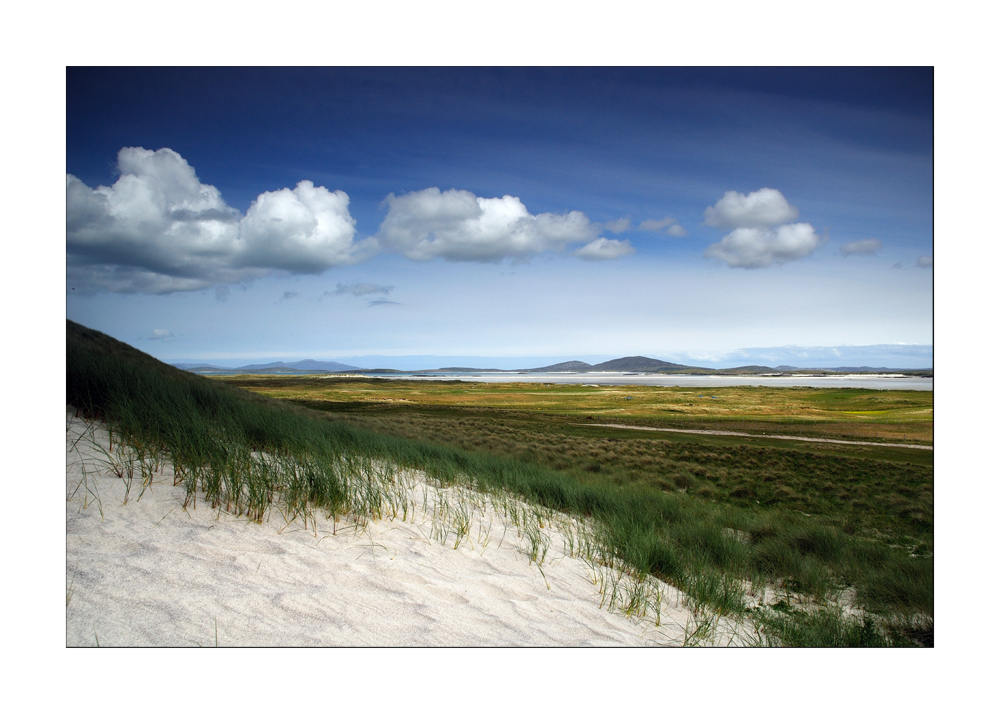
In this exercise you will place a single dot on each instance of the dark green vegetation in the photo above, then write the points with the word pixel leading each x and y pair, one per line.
pixel 861 414
pixel 886 494
pixel 710 544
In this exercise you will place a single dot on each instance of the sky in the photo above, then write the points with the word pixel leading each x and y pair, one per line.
pixel 419 218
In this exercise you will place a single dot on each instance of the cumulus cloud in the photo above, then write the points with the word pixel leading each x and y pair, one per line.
pixel 868 246
pixel 619 226
pixel 605 249
pixel 764 247
pixel 158 229
pixel 359 289
pixel 307 229
pixel 925 261
pixel 160 334
pixel 758 241
pixel 667 225
pixel 460 226
pixel 766 207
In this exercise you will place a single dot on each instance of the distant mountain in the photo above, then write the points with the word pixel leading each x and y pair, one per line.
pixel 329 366
pixel 303 365
pixel 190 366
pixel 748 369
pixel 636 364
pixel 571 366
pixel 622 364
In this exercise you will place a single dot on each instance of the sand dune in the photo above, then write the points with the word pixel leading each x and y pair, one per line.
pixel 152 572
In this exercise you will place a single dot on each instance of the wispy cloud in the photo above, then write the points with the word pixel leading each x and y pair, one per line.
pixel 382 301
pixel 161 334
pixel 605 249
pixel 925 261
pixel 360 289
pixel 868 246
pixel 667 225
pixel 619 226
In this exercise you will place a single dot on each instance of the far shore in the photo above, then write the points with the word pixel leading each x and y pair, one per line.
pixel 847 381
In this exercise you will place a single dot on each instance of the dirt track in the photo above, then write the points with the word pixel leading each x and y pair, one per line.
pixel 763 436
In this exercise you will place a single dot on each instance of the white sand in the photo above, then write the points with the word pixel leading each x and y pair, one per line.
pixel 150 572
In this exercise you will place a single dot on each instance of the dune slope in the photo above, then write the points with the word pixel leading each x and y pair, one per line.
pixel 151 572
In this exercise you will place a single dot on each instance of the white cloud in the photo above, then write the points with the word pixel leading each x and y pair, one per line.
pixel 307 229
pixel 605 249
pixel 676 230
pixel 158 229
pixel 460 226
pixel 925 261
pixel 764 247
pixel 766 207
pixel 161 334
pixel 868 246
pixel 756 242
pixel 619 226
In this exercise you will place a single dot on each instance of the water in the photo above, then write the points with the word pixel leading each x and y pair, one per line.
pixel 847 381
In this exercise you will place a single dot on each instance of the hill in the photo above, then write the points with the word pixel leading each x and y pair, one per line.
pixel 571 366
pixel 748 369
pixel 196 366
pixel 303 365
pixel 636 364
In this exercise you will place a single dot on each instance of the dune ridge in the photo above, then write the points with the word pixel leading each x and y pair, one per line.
pixel 150 572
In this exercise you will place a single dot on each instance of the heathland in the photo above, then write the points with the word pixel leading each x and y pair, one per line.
pixel 812 542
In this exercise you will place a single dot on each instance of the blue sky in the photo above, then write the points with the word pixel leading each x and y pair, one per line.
pixel 707 216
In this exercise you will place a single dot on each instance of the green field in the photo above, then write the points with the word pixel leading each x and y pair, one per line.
pixel 884 493
pixel 719 517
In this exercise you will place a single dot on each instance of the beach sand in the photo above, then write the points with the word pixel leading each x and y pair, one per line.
pixel 151 572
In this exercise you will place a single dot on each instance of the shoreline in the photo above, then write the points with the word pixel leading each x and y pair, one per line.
pixel 621 379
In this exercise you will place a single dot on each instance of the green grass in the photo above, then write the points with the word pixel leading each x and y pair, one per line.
pixel 862 414
pixel 245 453
pixel 875 492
